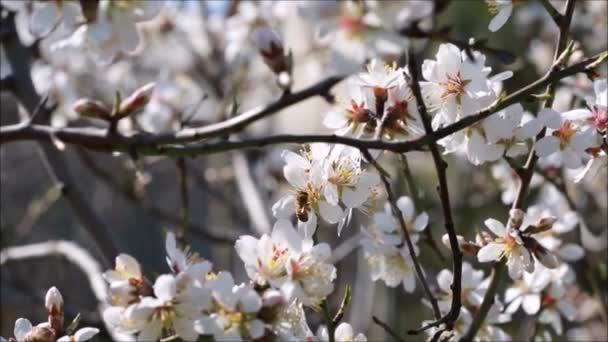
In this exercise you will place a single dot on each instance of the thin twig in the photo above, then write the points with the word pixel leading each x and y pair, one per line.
pixel 415 195
pixel 440 168
pixel 185 198
pixel 406 235
pixel 388 329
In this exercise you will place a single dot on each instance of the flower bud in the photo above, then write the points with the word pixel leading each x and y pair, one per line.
pixel 272 298
pixel 270 45
pixel 53 300
pixel 516 218
pixel 54 305
pixel 91 108
pixel 136 101
pixel 542 225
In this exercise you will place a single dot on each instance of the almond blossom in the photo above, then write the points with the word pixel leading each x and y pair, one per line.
pixel 516 244
pixel 127 282
pixel 456 86
pixel 234 315
pixel 176 305
pixel 567 138
pixel 290 262
pixel 387 255
pixel 381 92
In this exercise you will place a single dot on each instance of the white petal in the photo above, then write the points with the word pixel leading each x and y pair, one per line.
pixel 406 206
pixel 22 328
pixel 330 213
pixel 165 287
pixel 531 303
pixel 184 328
pixel 284 208
pixel 421 222
pixel 84 334
pixel 409 282
pixel 256 329
pixel 344 332
pixel 547 146
pixel 444 280
pixel 250 301
pixel 571 252
pixel 496 227
pixel 44 19
pixel 355 198
pixel 501 18
pixel 490 252
pixel 550 118
pixel 335 120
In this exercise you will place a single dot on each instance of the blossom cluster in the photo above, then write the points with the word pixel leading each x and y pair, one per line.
pixel 290 272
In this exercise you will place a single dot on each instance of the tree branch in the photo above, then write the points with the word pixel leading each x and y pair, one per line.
pixel 440 167
pixel 151 144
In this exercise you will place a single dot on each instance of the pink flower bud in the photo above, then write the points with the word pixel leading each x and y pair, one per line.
pixel 270 45
pixel 91 108
pixel 136 101
pixel 53 300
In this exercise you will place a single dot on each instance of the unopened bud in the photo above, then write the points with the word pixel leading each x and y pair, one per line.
pixel 272 298
pixel 54 305
pixel 270 45
pixel 53 299
pixel 91 108
pixel 516 218
pixel 542 225
pixel 136 101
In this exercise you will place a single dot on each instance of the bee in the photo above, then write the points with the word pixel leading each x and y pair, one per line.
pixel 302 206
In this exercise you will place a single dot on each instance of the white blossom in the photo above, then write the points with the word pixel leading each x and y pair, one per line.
pixel 565 137
pixel 516 244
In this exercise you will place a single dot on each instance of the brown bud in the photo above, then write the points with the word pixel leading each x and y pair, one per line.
pixel 136 101
pixel 542 225
pixel 91 108
pixel 270 45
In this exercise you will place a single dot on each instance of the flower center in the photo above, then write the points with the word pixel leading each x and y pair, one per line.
pixel 599 117
pixel 565 133
pixel 454 86
pixel 358 112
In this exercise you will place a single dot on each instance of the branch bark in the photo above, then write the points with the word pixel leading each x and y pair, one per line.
pixel 440 167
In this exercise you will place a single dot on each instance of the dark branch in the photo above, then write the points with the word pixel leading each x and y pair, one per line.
pixel 440 167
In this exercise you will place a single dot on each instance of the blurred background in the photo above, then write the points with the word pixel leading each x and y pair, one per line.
pixel 204 62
